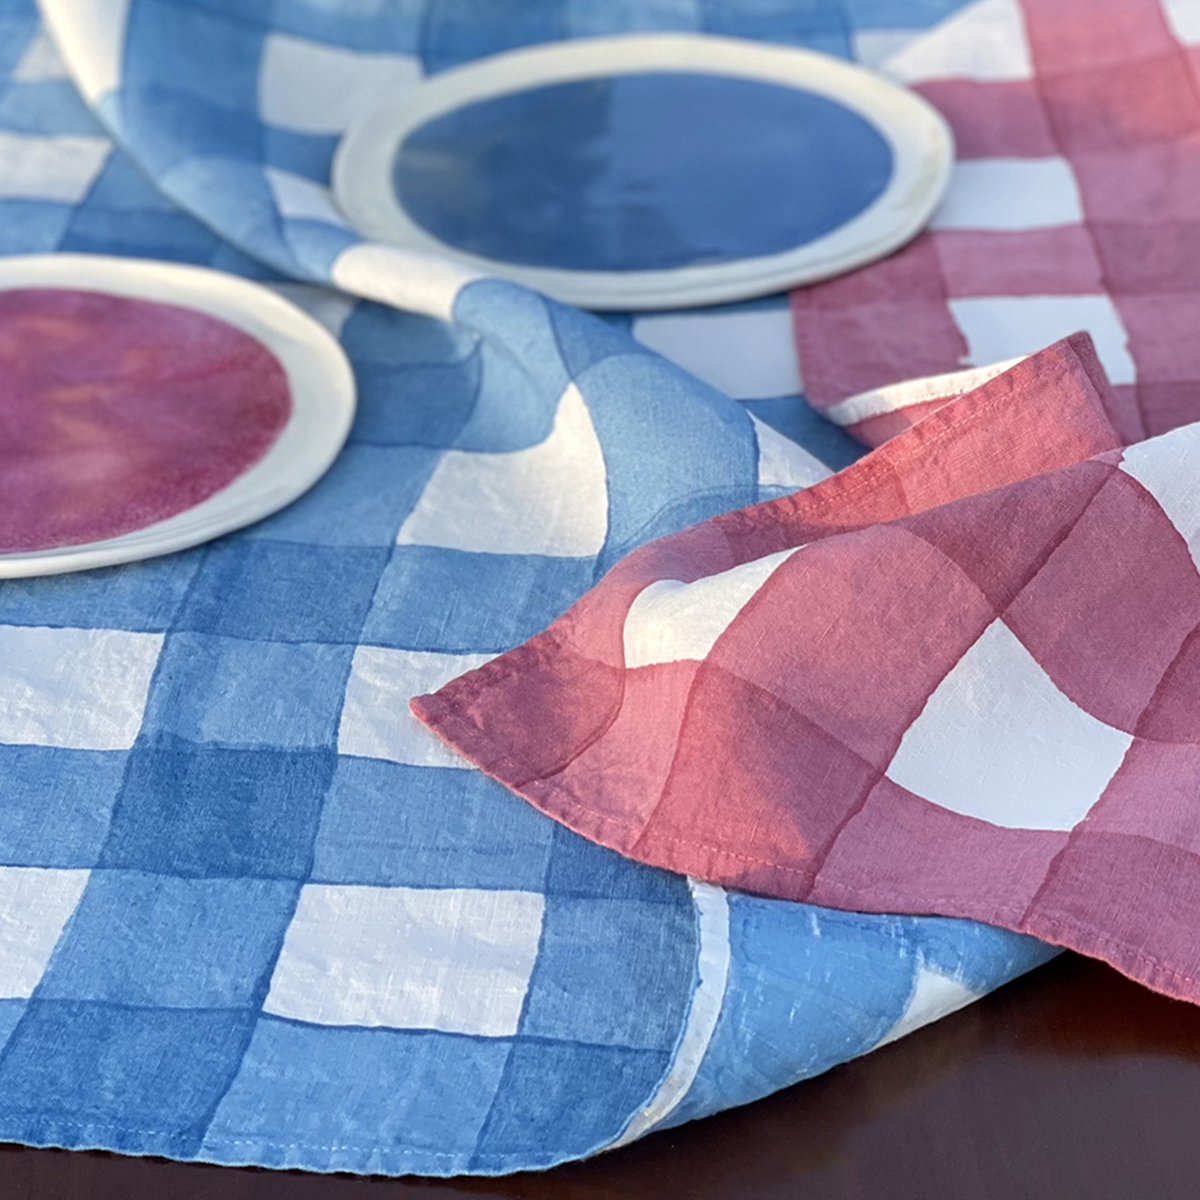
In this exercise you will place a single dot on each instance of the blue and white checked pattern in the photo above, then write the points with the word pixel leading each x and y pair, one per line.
pixel 249 910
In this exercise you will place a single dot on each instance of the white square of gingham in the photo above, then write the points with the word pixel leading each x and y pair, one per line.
pixel 35 904
pixel 998 741
pixel 79 689
pixel 376 721
pixel 451 959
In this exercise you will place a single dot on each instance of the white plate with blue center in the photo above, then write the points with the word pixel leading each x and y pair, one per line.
pixel 649 172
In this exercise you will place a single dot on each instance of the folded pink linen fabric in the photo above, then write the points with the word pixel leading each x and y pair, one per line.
pixel 961 677
pixel 1074 204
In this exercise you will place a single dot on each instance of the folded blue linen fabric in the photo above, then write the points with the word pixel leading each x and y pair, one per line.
pixel 251 911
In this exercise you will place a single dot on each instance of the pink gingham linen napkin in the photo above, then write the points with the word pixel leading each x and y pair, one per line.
pixel 960 677
pixel 1074 204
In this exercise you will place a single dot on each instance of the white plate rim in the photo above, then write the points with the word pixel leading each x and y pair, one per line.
pixel 318 372
pixel 921 141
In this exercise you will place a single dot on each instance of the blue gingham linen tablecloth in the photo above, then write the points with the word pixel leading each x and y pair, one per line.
pixel 250 911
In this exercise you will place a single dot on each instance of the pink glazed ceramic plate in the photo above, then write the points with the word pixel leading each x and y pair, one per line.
pixel 146 407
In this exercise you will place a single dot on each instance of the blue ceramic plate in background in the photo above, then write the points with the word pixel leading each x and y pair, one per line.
pixel 649 172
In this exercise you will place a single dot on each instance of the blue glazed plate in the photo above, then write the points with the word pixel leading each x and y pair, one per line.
pixel 649 172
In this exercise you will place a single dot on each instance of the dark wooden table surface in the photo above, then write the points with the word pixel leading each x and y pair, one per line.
pixel 1071 1082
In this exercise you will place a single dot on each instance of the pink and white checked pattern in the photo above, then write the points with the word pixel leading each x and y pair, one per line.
pixel 960 677
pixel 1075 204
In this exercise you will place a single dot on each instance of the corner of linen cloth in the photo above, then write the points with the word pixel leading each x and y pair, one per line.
pixel 569 722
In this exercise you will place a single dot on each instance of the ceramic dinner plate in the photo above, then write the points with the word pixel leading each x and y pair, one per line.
pixel 146 407
pixel 652 171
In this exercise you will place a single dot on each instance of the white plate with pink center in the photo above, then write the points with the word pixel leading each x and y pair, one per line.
pixel 147 407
